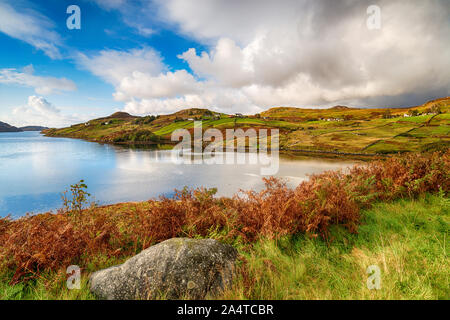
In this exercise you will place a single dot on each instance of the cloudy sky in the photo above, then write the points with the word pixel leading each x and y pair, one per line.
pixel 160 56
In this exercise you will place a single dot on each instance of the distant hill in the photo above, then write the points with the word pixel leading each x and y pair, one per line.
pixel 33 128
pixel 341 108
pixel 343 112
pixel 4 127
pixel 120 115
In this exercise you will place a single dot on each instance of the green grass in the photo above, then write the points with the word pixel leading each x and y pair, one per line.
pixel 406 239
pixel 174 126
pixel 50 287
pixel 363 131
pixel 417 119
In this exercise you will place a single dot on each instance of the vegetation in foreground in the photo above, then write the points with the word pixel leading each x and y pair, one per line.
pixel 406 239
pixel 301 243
pixel 338 129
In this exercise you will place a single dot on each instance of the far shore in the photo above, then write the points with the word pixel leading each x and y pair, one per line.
pixel 168 145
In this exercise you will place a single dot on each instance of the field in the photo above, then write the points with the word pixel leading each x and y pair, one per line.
pixel 338 129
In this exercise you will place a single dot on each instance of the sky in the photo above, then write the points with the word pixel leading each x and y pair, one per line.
pixel 160 56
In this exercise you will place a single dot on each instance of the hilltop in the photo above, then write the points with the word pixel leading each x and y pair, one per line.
pixel 120 115
pixel 336 129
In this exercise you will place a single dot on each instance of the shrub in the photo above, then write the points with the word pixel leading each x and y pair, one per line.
pixel 79 199
pixel 145 120
pixel 138 136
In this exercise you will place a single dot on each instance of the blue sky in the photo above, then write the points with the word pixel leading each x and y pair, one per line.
pixel 149 57
pixel 101 29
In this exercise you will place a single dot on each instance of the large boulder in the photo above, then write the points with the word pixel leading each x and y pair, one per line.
pixel 173 269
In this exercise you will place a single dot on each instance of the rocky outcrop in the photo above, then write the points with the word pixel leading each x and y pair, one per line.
pixel 173 269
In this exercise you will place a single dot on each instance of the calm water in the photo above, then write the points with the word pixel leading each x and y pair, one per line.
pixel 34 170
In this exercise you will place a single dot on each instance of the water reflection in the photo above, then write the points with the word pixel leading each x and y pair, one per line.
pixel 34 170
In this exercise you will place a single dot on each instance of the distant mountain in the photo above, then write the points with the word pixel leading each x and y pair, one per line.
pixel 33 128
pixel 4 127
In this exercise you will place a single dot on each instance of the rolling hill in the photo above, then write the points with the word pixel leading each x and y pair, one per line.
pixel 338 129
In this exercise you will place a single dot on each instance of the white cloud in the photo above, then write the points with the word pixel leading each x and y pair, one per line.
pixel 30 26
pixel 143 84
pixel 144 31
pixel 263 53
pixel 139 15
pixel 339 57
pixel 165 85
pixel 113 66
pixel 242 21
pixel 38 111
pixel 226 63
pixel 42 85
pixel 110 4
pixel 213 98
pixel 305 52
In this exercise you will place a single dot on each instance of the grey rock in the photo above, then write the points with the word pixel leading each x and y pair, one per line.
pixel 173 269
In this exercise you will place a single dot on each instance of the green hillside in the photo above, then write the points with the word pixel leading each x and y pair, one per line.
pixel 337 129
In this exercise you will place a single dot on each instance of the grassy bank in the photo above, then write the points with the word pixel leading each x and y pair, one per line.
pixel 407 239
